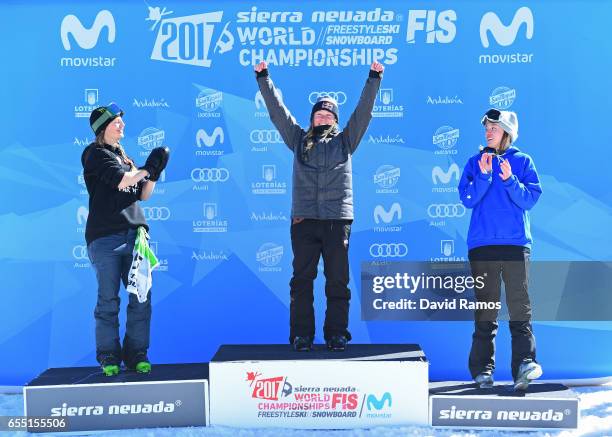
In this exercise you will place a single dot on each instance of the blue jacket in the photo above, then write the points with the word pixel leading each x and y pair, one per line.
pixel 500 208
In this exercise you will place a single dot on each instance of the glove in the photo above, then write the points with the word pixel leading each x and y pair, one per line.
pixel 156 162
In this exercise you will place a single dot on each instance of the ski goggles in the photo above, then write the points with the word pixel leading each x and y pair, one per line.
pixel 491 115
pixel 109 113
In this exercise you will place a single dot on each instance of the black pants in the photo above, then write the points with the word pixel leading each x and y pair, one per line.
pixel 510 263
pixel 309 240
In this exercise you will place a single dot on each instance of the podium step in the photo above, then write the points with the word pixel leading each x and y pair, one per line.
pixel 542 406
pixel 265 386
pixel 172 395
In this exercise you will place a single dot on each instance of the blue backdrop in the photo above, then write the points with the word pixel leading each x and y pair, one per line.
pixel 220 215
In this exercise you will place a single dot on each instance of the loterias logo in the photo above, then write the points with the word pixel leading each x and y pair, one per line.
pixel 119 409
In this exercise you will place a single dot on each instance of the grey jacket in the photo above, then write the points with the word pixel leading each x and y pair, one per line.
pixel 322 177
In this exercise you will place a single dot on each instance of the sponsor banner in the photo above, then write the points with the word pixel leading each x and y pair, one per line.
pixel 318 394
pixel 269 183
pixel 106 406
pixel 79 39
pixel 445 288
pixel 210 222
pixel 503 412
pixel 387 219
pixel 498 38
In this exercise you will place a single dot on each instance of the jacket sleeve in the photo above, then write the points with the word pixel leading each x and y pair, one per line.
pixel 473 185
pixel 525 192
pixel 287 126
pixel 360 118
pixel 103 165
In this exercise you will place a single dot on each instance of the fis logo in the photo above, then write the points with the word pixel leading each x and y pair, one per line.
pixel 380 214
pixel 440 176
pixel 203 139
pixel 373 403
pixel 84 37
pixel 439 26
pixel 187 40
pixel 505 35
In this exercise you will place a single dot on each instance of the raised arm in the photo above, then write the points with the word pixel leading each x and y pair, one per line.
pixel 360 118
pixel 287 126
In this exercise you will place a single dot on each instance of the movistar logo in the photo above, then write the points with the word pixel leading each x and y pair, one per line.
pixel 373 402
pixel 438 175
pixel 380 214
pixel 84 37
pixel 203 139
pixel 505 35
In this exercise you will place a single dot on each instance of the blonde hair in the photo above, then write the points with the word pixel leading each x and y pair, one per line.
pixel 505 142
pixel 310 136
pixel 99 141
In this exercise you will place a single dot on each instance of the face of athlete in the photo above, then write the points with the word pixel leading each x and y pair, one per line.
pixel 493 134
pixel 323 117
pixel 114 131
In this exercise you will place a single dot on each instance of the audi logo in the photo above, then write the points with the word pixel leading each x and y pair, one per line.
pixel 445 210
pixel 80 252
pixel 270 136
pixel 338 96
pixel 209 174
pixel 155 213
pixel 388 250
